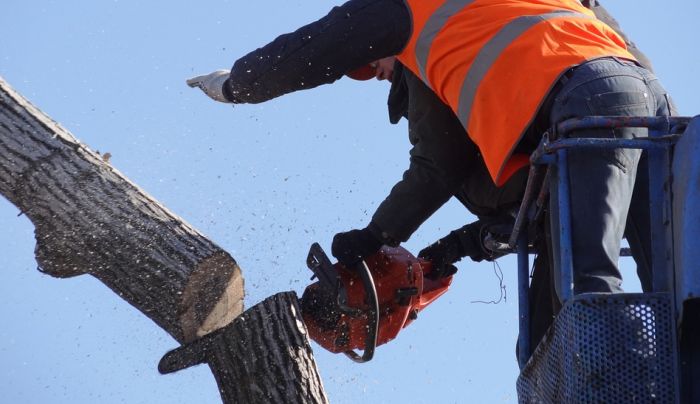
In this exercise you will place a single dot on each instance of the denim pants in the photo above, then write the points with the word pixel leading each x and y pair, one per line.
pixel 602 181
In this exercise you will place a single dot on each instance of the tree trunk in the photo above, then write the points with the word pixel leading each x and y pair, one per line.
pixel 90 219
pixel 263 356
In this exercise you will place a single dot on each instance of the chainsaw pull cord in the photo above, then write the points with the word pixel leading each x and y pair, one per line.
pixel 373 320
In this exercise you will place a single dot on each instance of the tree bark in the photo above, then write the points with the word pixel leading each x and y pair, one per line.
pixel 263 356
pixel 89 219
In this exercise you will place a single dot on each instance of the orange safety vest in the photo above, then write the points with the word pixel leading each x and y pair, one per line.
pixel 494 61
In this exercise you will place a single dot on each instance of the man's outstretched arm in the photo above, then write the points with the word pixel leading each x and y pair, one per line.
pixel 349 36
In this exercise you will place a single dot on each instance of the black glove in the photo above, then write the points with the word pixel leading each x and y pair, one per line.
pixel 355 245
pixel 465 241
pixel 442 254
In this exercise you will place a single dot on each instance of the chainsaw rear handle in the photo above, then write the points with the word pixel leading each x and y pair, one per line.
pixel 373 321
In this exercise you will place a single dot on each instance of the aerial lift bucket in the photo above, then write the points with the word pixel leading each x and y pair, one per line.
pixel 618 348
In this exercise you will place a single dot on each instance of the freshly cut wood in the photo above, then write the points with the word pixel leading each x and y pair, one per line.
pixel 263 356
pixel 90 219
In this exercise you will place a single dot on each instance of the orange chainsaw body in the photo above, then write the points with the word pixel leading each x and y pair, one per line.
pixel 338 320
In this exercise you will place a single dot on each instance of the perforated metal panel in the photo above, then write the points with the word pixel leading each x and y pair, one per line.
pixel 617 348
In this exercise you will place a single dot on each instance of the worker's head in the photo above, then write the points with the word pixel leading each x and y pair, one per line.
pixel 381 69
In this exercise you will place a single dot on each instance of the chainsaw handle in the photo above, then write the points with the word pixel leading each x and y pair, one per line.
pixel 321 266
pixel 373 321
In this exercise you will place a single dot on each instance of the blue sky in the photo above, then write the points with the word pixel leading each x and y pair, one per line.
pixel 263 181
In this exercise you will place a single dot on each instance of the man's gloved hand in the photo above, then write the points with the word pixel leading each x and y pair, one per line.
pixel 465 241
pixel 212 84
pixel 442 254
pixel 355 245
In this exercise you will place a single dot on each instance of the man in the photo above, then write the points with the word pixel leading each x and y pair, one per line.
pixel 478 193
pixel 561 63
pixel 492 204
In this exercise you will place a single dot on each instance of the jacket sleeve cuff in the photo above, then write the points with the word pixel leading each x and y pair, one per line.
pixel 383 236
pixel 227 93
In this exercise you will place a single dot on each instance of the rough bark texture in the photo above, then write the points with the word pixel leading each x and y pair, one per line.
pixel 90 219
pixel 263 356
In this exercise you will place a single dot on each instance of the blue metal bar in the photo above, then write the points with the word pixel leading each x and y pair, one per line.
pixel 602 143
pixel 610 143
pixel 565 242
pixel 663 123
pixel 660 206
pixel 524 349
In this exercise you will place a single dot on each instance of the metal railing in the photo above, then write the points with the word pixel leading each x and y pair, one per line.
pixel 664 132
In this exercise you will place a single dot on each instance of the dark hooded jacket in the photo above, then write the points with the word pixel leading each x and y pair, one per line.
pixel 443 161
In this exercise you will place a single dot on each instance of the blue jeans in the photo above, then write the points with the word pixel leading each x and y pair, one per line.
pixel 602 181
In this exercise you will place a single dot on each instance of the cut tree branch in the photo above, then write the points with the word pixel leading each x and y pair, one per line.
pixel 89 219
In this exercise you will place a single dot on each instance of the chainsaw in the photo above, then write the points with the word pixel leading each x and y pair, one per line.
pixel 350 309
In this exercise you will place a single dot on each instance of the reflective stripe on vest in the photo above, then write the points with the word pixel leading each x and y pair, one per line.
pixel 431 29
pixel 491 51
pixel 493 62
